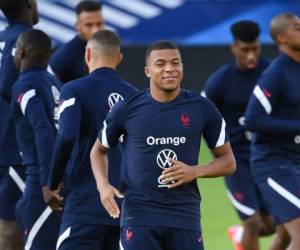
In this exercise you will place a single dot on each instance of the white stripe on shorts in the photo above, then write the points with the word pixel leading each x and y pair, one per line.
pixel 241 207
pixel 284 192
pixel 62 237
pixel 37 226
pixel 16 178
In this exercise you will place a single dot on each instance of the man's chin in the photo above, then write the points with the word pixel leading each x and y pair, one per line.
pixel 251 67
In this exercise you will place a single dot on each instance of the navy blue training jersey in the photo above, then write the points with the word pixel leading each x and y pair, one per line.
pixel 68 62
pixel 153 133
pixel 273 113
pixel 9 153
pixel 230 89
pixel 35 99
pixel 84 105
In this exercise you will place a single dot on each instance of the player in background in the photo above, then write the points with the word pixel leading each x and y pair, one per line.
pixel 21 16
pixel 273 114
pixel 67 62
pixel 230 88
pixel 162 130
pixel 84 105
pixel 35 99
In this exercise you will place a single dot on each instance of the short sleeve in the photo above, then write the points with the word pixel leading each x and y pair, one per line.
pixel 214 132
pixel 113 126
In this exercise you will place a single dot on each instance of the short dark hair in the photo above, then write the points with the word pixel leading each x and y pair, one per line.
pixel 87 5
pixel 280 23
pixel 108 39
pixel 160 45
pixel 12 9
pixel 37 44
pixel 246 31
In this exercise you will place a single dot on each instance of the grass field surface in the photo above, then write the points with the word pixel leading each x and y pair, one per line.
pixel 217 212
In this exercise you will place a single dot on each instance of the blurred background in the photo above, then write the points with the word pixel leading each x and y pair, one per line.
pixel 200 28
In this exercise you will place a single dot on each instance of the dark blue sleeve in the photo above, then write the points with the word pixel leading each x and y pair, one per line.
pixel 214 89
pixel 69 126
pixel 8 72
pixel 113 126
pixel 33 109
pixel 214 131
pixel 259 113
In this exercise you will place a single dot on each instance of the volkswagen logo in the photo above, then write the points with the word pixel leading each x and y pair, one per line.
pixel 163 157
pixel 114 98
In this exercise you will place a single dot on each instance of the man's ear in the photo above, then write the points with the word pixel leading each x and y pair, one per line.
pixel 280 38
pixel 146 70
pixel 121 57
pixel 87 55
pixel 22 53
pixel 233 48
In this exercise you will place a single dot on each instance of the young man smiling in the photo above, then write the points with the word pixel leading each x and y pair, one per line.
pixel 159 181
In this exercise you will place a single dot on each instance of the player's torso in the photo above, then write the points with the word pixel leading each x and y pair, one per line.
pixel 8 75
pixel 287 107
pixel 47 89
pixel 156 132
pixel 239 87
pixel 97 94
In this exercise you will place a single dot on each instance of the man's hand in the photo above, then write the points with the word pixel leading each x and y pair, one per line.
pixel 53 198
pixel 107 196
pixel 179 174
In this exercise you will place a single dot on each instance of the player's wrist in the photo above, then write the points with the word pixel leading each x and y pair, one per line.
pixel 199 171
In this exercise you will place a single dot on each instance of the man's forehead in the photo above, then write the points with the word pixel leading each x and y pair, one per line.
pixel 247 44
pixel 164 54
pixel 85 15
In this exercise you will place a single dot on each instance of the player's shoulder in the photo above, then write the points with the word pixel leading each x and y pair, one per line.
pixel 22 86
pixel 193 96
pixel 77 85
pixel 276 68
pixel 221 75
pixel 223 71
pixel 67 48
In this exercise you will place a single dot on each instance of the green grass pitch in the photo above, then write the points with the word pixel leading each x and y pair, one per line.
pixel 217 212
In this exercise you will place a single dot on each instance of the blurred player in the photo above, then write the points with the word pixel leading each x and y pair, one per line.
pixel 84 105
pixel 273 114
pixel 230 88
pixel 35 99
pixel 67 62
pixel 21 15
pixel 162 130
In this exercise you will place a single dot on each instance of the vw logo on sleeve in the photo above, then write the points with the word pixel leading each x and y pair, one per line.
pixel 114 98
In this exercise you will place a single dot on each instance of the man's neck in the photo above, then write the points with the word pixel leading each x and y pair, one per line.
pixel 164 96
pixel 294 54
pixel 95 66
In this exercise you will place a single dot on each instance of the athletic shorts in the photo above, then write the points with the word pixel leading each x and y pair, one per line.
pixel 281 190
pixel 74 235
pixel 11 187
pixel 159 238
pixel 244 193
pixel 38 223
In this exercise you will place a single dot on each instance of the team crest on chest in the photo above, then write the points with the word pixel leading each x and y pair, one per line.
pixel 185 120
